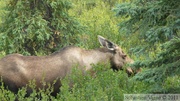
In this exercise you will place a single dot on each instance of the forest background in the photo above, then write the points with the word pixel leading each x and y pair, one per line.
pixel 148 30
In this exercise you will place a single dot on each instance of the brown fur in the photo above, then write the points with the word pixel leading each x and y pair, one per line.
pixel 17 70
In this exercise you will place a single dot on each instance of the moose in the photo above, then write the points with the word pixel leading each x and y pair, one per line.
pixel 17 70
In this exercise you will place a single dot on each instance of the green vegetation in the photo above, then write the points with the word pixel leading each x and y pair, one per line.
pixel 38 27
pixel 105 85
pixel 157 24
pixel 148 31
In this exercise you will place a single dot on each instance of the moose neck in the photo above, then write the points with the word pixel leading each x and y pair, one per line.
pixel 100 55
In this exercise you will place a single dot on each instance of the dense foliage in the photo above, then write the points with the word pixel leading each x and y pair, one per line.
pixel 155 23
pixel 32 26
pixel 105 85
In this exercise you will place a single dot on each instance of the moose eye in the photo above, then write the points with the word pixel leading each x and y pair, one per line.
pixel 124 56
pixel 123 52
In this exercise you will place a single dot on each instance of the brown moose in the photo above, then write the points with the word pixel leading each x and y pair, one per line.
pixel 17 70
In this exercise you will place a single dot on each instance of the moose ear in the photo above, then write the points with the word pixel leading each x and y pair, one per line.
pixel 106 43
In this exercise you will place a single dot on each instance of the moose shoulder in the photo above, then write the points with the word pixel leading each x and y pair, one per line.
pixel 16 70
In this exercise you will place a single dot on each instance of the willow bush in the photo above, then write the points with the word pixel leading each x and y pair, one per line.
pixel 104 84
pixel 98 18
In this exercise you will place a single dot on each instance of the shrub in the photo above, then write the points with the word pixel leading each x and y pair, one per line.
pixel 38 27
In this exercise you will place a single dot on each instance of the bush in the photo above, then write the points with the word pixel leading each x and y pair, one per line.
pixel 38 27
pixel 104 84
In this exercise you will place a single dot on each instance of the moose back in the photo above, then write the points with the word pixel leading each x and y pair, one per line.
pixel 17 70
